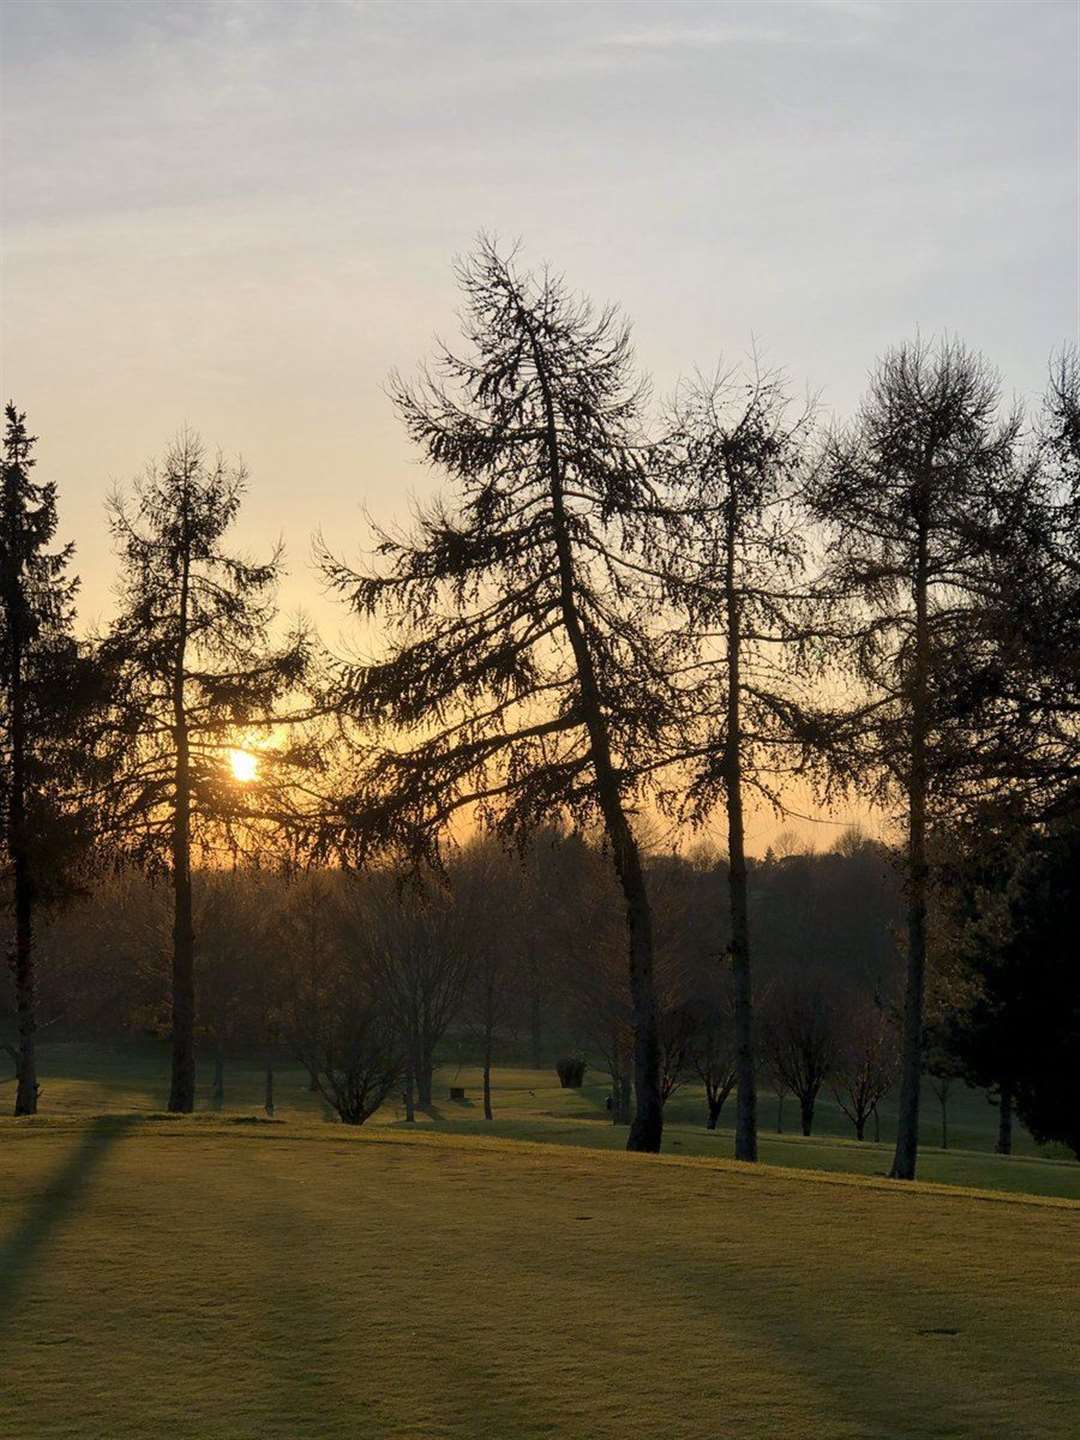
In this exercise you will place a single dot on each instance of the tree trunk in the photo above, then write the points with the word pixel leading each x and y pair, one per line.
pixel 217 1093
pixel 907 1129
pixel 425 1081
pixel 715 1107
pixel 182 1087
pixel 780 1113
pixel 489 1040
pixel 410 1086
pixel 26 1093
pixel 877 1127
pixel 746 1144
pixel 268 1101
pixel 860 1127
pixel 22 957
pixel 944 1123
pixel 806 1112
pixel 1005 1120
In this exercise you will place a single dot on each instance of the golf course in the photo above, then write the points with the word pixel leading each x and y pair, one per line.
pixel 226 1275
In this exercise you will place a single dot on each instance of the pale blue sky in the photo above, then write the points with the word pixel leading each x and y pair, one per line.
pixel 241 215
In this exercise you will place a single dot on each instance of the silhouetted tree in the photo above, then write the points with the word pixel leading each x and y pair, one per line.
pixel 920 496
pixel 865 1061
pixel 529 672
pixel 1036 615
pixel 339 1027
pixel 418 953
pixel 736 455
pixel 198 674
pixel 800 1039
pixel 489 905
pixel 1020 1033
pixel 48 691
pixel 713 1050
pixel 943 1070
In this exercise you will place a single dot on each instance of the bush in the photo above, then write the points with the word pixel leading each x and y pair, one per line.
pixel 571 1072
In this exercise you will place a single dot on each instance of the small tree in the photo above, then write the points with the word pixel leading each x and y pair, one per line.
pixel 943 1070
pixel 348 1042
pixel 418 954
pixel 800 1038
pixel 866 1061
pixel 198 673
pixel 678 1033
pixel 487 900
pixel 713 1050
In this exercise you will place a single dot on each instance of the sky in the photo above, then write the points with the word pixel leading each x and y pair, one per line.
pixel 240 216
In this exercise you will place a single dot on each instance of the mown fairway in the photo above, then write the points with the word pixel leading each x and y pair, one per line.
pixel 200 1278
pixel 89 1080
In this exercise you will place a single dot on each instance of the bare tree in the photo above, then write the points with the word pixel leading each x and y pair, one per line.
pixel 713 1049
pixel 586 933
pixel 418 953
pixel 489 908
pixel 335 1014
pixel 866 1061
pixel 678 1034
pixel 351 1046
pixel 800 1038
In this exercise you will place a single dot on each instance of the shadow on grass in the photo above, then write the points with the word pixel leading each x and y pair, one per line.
pixel 21 1250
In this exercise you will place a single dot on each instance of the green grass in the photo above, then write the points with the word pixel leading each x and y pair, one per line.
pixel 89 1080
pixel 219 1281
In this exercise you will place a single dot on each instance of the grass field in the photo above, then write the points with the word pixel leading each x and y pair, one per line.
pixel 217 1280
pixel 220 1277
pixel 90 1080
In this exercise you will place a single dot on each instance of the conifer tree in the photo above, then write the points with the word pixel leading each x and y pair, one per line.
pixel 198 675
pixel 922 499
pixel 44 751
pixel 736 455
pixel 528 671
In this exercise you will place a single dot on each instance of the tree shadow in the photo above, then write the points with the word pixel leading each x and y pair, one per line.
pixel 19 1251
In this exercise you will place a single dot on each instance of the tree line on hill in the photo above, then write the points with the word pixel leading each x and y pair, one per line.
pixel 608 611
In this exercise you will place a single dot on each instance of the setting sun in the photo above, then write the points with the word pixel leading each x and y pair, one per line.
pixel 245 765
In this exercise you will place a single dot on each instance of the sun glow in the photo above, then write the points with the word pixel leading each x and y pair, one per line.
pixel 245 765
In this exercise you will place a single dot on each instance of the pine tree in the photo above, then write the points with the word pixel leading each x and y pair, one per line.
pixel 736 454
pixel 198 675
pixel 528 671
pixel 921 499
pixel 42 686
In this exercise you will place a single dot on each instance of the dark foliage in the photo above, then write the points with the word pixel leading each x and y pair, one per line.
pixel 51 696
pixel 571 1071
pixel 1020 1035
